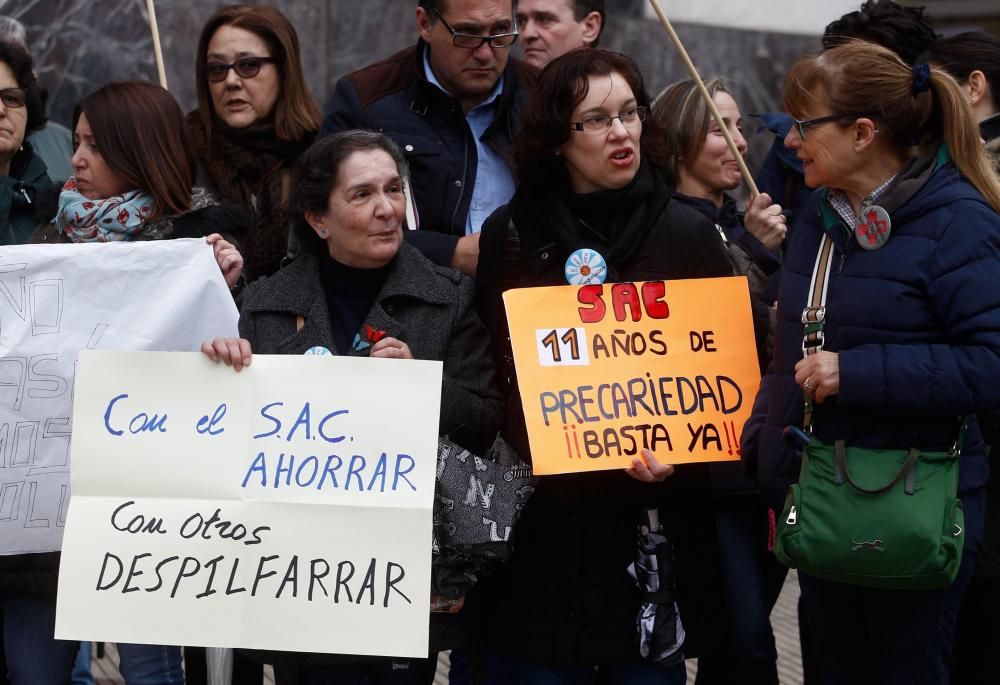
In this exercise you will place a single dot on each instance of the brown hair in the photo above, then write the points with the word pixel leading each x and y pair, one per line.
pixel 562 85
pixel 868 80
pixel 296 114
pixel 140 130
pixel 316 176
pixel 968 52
pixel 17 57
pixel 683 114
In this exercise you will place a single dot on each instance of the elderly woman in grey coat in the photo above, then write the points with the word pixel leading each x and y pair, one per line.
pixel 359 290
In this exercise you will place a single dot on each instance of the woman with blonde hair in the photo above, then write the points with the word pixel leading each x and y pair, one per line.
pixel 701 171
pixel 910 327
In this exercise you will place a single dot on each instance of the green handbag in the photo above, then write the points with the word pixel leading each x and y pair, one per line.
pixel 877 518
pixel 885 518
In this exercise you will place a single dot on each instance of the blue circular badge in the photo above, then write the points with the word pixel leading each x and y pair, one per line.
pixel 586 267
pixel 319 350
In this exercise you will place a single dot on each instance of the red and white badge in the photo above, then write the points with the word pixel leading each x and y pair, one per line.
pixel 874 227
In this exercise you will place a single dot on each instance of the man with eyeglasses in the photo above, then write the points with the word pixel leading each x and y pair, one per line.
pixel 453 105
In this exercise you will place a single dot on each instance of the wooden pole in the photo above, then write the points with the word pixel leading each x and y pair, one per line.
pixel 704 93
pixel 157 50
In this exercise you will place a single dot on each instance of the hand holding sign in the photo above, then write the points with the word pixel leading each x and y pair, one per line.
pixel 648 469
pixel 614 371
pixel 286 507
pixel 234 352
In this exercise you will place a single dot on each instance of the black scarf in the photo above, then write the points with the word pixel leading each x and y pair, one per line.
pixel 245 165
pixel 611 222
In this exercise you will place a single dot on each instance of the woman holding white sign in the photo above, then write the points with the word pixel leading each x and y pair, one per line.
pixel 133 171
pixel 133 177
pixel 591 192
pixel 359 290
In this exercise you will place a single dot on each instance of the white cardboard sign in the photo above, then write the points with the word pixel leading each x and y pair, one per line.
pixel 285 507
pixel 56 300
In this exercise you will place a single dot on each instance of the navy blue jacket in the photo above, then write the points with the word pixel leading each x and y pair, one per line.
pixel 395 98
pixel 916 324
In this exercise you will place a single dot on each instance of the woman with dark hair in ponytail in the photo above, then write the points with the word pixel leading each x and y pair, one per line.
pixel 910 342
pixel 973 59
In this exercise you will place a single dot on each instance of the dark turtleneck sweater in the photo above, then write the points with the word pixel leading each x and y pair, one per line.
pixel 350 294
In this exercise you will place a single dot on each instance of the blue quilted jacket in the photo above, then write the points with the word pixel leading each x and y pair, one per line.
pixel 916 324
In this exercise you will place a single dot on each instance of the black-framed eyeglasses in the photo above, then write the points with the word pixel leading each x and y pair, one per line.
pixel 802 124
pixel 245 67
pixel 472 41
pixel 602 122
pixel 13 97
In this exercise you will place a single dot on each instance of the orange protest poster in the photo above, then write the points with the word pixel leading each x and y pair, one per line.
pixel 605 370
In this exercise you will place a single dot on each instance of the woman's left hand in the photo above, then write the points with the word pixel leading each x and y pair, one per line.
pixel 228 258
pixel 391 348
pixel 819 375
pixel 648 469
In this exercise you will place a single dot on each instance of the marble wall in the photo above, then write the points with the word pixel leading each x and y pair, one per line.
pixel 81 44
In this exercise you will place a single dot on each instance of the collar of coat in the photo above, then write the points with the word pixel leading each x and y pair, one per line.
pixel 298 286
pixel 518 80
pixel 298 290
pixel 908 182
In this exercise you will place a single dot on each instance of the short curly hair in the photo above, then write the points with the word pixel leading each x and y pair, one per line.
pixel 562 85
pixel 19 60
pixel 907 31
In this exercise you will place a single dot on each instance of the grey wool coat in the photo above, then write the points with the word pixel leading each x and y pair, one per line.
pixel 428 307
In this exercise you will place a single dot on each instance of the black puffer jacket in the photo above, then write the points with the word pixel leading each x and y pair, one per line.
pixel 565 599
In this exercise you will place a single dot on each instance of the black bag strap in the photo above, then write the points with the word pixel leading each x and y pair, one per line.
pixel 512 269
pixel 907 471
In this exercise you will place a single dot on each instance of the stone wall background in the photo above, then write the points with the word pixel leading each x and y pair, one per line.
pixel 82 44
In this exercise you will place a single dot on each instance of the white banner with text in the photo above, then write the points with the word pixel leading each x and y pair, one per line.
pixel 56 300
pixel 285 507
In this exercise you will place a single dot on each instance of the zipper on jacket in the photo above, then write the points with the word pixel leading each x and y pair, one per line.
pixel 793 516
pixel 465 174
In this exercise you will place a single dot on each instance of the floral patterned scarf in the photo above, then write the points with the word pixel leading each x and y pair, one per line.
pixel 119 217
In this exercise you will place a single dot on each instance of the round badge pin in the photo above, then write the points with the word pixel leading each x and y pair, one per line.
pixel 586 267
pixel 874 227
pixel 319 350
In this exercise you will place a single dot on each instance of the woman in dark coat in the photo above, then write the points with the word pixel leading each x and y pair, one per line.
pixel 359 290
pixel 26 192
pixel 27 581
pixel 973 59
pixel 255 116
pixel 912 325
pixel 587 162
pixel 133 176
pixel 133 170
pixel 702 171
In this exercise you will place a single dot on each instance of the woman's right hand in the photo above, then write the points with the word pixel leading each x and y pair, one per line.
pixel 648 469
pixel 765 221
pixel 234 352
pixel 228 258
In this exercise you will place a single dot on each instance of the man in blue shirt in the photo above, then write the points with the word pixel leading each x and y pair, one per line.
pixel 453 105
